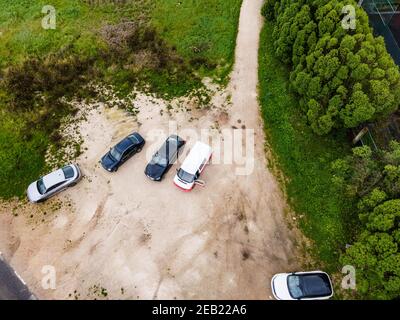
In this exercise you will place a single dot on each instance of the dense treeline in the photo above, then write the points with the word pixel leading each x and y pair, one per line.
pixel 344 78
pixel 375 180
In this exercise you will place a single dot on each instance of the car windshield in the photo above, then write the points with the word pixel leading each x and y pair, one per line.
pixel 295 288
pixel 41 187
pixel 133 139
pixel 68 172
pixel 184 176
pixel 115 154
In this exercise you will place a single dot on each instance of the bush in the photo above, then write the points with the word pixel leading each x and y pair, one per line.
pixel 375 181
pixel 138 50
pixel 268 9
pixel 46 78
pixel 376 254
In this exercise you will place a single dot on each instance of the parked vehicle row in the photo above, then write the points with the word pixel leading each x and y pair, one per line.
pixel 186 178
pixel 315 285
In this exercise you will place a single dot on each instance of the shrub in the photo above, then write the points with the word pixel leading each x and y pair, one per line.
pixel 51 78
pixel 138 50
pixel 376 254
pixel 375 181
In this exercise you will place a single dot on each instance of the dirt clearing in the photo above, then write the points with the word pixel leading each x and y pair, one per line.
pixel 123 236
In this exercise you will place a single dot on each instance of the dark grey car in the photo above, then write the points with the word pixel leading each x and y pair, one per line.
pixel 121 152
pixel 164 158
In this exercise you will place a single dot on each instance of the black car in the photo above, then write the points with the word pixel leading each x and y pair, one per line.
pixel 125 149
pixel 164 158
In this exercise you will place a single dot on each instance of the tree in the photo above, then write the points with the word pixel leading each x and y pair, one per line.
pixel 343 77
pixel 376 254
pixel 357 174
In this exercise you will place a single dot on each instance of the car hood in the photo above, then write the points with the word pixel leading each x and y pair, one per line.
pixel 154 171
pixel 108 162
pixel 280 287
pixel 183 185
pixel 33 193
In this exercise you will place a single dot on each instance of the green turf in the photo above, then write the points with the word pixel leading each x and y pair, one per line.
pixel 77 23
pixel 304 158
pixel 201 29
pixel 20 159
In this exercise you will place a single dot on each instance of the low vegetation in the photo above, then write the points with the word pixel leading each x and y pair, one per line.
pixel 158 46
pixel 191 27
pixel 317 80
pixel 303 157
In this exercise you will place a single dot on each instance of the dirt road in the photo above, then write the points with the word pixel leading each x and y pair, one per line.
pixel 121 236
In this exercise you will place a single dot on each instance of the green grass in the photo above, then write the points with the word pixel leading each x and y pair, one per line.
pixel 21 160
pixel 202 31
pixel 304 158
pixel 77 23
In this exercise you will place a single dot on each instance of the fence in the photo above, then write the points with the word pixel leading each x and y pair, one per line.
pixel 378 135
pixel 384 16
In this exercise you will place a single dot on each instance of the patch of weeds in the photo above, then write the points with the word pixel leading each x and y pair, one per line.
pixel 202 97
pixel 145 61
pixel 98 292
pixel 75 295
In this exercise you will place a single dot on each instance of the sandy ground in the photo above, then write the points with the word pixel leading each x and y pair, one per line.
pixel 122 236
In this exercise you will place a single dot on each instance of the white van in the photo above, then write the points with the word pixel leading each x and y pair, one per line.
pixel 188 175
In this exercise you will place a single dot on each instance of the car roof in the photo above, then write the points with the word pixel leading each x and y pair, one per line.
pixel 172 147
pixel 316 285
pixel 54 178
pixel 197 155
pixel 124 144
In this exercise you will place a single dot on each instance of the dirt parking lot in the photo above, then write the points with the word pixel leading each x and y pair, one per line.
pixel 123 236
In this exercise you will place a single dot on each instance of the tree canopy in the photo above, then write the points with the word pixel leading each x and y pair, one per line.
pixel 375 180
pixel 344 77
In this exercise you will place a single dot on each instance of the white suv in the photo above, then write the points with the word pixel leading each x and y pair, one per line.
pixel 189 173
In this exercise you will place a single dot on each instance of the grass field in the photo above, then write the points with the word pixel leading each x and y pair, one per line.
pixel 201 30
pixel 76 23
pixel 192 39
pixel 304 158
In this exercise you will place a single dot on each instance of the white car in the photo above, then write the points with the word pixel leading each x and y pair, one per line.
pixel 54 183
pixel 189 173
pixel 314 285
